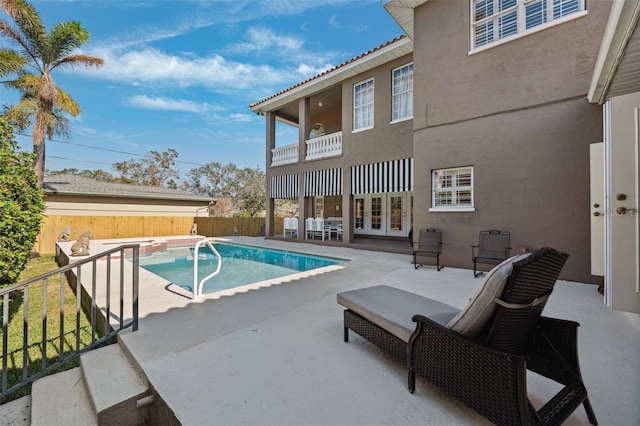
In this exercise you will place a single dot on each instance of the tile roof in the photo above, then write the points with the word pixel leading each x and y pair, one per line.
pixel 329 71
pixel 80 185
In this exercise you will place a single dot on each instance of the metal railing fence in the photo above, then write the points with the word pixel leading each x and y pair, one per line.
pixel 102 329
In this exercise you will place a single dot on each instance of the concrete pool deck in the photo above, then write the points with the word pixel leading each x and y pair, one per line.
pixel 274 354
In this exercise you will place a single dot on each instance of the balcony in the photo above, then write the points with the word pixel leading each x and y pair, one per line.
pixel 284 155
pixel 317 148
pixel 324 146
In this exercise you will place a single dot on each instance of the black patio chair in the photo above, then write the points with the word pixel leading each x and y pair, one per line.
pixel 493 247
pixel 488 372
pixel 429 245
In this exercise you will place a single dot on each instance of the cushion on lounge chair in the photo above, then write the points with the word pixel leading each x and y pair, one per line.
pixel 392 309
pixel 481 307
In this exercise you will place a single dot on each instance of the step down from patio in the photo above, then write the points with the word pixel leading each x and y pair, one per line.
pixel 60 400
pixel 105 390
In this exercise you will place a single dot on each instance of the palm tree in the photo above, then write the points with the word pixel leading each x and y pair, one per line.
pixel 36 55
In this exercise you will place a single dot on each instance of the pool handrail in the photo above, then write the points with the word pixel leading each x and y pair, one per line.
pixel 197 287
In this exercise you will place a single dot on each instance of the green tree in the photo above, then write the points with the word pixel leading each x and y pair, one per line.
pixel 250 191
pixel 156 170
pixel 37 53
pixel 237 191
pixel 99 175
pixel 212 179
pixel 21 206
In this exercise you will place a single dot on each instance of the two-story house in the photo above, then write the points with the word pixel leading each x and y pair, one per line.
pixel 476 119
pixel 354 154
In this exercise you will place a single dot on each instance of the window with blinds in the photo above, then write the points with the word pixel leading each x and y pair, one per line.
pixel 495 20
pixel 363 105
pixel 452 188
pixel 402 96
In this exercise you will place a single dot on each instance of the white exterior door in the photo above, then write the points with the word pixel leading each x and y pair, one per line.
pixel 622 230
pixel 376 215
pixel 397 214
pixel 369 214
pixel 382 214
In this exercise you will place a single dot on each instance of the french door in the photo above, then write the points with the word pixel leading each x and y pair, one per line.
pixel 382 214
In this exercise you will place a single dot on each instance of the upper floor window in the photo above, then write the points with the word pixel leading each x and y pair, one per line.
pixel 453 189
pixel 363 105
pixel 402 97
pixel 494 20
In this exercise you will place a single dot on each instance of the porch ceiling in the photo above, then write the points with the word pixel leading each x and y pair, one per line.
pixel 617 70
pixel 328 100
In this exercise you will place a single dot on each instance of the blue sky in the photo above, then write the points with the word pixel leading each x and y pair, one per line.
pixel 181 74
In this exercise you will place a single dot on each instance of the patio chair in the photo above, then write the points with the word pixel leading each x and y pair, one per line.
pixel 290 226
pixel 481 354
pixel 323 227
pixel 493 247
pixel 309 227
pixel 489 373
pixel 429 245
pixel 338 230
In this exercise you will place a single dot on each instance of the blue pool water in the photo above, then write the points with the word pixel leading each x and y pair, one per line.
pixel 241 265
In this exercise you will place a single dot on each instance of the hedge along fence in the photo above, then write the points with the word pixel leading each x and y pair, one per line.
pixel 112 227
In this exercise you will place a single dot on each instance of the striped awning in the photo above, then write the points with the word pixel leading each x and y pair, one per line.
pixel 284 187
pixel 388 176
pixel 323 182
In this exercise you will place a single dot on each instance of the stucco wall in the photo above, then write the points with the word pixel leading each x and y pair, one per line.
pixel 518 114
pixel 386 141
pixel 451 85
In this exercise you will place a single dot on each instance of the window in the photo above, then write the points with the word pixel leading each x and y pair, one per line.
pixel 363 105
pixel 402 97
pixel 494 20
pixel 453 189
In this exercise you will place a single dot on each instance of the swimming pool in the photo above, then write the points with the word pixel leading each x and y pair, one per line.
pixel 241 265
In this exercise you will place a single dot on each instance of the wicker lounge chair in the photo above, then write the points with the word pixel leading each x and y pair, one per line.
pixel 493 247
pixel 430 245
pixel 482 363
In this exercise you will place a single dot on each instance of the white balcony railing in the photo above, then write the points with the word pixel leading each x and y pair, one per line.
pixel 317 148
pixel 284 155
pixel 324 146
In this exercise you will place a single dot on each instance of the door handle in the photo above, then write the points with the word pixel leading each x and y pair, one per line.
pixel 623 210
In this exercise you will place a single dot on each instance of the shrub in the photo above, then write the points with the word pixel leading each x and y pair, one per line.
pixel 21 206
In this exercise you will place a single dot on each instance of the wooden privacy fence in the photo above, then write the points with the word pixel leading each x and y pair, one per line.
pixel 108 227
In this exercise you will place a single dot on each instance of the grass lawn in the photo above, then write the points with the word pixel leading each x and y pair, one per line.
pixel 57 314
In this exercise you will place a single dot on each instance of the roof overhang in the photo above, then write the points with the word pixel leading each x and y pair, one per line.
pixel 402 12
pixel 367 62
pixel 617 70
pixel 193 199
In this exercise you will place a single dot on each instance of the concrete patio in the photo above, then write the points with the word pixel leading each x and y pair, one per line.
pixel 275 355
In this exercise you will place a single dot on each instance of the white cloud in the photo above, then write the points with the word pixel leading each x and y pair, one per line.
pixel 260 39
pixel 167 104
pixel 309 70
pixel 275 60
pixel 152 66
pixel 242 118
pixel 333 21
